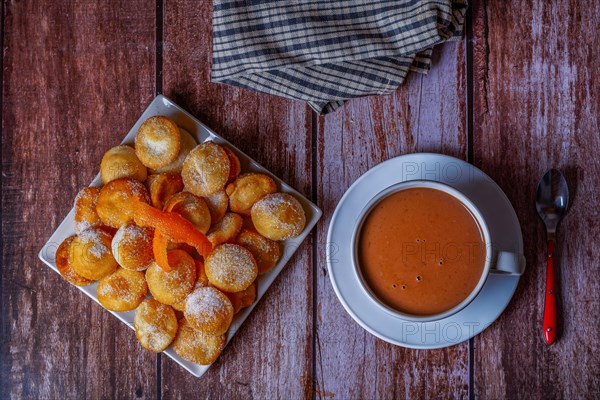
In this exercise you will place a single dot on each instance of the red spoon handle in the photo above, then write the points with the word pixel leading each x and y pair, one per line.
pixel 550 304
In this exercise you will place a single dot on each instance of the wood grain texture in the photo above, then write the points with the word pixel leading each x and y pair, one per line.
pixel 78 74
pixel 76 77
pixel 537 106
pixel 271 355
pixel 426 114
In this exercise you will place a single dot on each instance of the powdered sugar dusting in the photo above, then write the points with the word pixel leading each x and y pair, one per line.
pixel 132 247
pixel 88 194
pixel 196 346
pixel 135 188
pixel 206 167
pixel 85 203
pixel 95 239
pixel 82 225
pixel 129 233
pixel 172 287
pixel 283 212
pixel 187 144
pixel 266 252
pixel 125 287
pixel 156 144
pixel 207 305
pixel 155 325
pixel 231 265
pixel 226 229
pixel 217 205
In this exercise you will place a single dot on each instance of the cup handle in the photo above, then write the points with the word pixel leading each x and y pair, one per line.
pixel 507 263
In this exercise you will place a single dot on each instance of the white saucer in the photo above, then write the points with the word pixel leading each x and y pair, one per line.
pixel 505 234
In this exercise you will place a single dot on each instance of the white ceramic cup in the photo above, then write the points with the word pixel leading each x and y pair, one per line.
pixel 496 262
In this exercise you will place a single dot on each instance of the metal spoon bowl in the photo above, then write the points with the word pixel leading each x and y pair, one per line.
pixel 552 199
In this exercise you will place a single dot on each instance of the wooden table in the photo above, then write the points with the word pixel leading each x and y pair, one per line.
pixel 519 94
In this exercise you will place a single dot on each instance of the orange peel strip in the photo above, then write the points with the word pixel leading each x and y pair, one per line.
pixel 159 247
pixel 172 226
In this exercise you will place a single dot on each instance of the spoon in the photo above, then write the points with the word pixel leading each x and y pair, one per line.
pixel 552 200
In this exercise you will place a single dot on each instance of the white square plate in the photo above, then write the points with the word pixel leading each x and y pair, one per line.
pixel 164 106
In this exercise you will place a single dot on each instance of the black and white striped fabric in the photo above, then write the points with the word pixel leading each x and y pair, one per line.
pixel 328 51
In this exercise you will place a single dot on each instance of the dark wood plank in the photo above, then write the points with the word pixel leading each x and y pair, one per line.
pixel 536 107
pixel 426 114
pixel 271 356
pixel 76 77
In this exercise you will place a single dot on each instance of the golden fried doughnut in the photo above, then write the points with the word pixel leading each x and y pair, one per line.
pixel 208 310
pixel 242 299
pixel 86 216
pixel 157 142
pixel 225 230
pixel 162 187
pixel 265 251
pixel 201 281
pixel 195 346
pixel 132 247
pixel 231 267
pixel 155 325
pixel 206 169
pixel 192 208
pixel 90 255
pixel 247 189
pixel 121 162
pixel 172 287
pixel 217 205
pixel 278 216
pixel 187 144
pixel 123 290
pixel 64 267
pixel 117 199
pixel 234 164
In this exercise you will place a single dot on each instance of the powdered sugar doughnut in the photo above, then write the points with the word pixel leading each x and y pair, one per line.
pixel 117 199
pixel 157 142
pixel 208 310
pixel 231 267
pixel 132 247
pixel 206 169
pixel 172 287
pixel 121 162
pixel 247 189
pixel 225 230
pixel 187 144
pixel 192 208
pixel 266 252
pixel 217 205
pixel 155 325
pixel 278 216
pixel 196 346
pixel 90 255
pixel 64 267
pixel 123 290
pixel 86 216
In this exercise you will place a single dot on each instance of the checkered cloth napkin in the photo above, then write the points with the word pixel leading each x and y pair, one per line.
pixel 328 51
